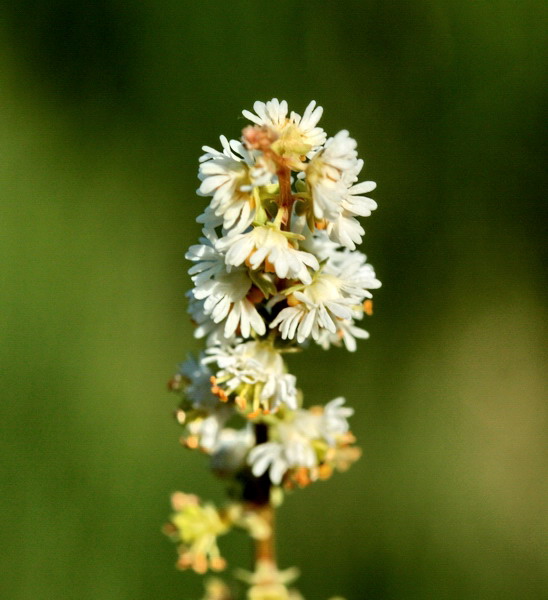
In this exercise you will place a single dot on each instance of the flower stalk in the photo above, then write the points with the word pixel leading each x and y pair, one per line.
pixel 265 549
pixel 286 197
pixel 276 269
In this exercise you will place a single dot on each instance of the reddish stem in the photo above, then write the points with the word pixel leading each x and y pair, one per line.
pixel 286 196
pixel 265 549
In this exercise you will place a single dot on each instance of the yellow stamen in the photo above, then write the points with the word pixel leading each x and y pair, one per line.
pixel 240 402
pixel 257 397
pixel 292 301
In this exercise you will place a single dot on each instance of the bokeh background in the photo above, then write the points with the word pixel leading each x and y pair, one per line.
pixel 105 106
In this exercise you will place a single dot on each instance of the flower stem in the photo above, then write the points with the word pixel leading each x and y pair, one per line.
pixel 286 196
pixel 265 549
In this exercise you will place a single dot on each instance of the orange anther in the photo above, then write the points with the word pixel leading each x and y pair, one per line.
pixel 216 390
pixel 200 564
pixel 185 560
pixel 368 307
pixel 175 383
pixel 268 266
pixel 321 224
pixel 218 563
pixel 301 477
pixel 192 442
pixel 325 471
pixel 255 295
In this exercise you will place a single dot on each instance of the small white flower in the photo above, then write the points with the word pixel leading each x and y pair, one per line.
pixel 255 364
pixel 209 261
pixel 210 220
pixel 353 201
pixel 317 307
pixel 267 583
pixel 295 444
pixel 307 125
pixel 345 229
pixel 263 171
pixel 269 456
pixel 334 420
pixel 225 300
pixel 273 114
pixel 356 275
pixel 339 155
pixel 269 245
pixel 294 450
pixel 325 172
pixel 296 134
pixel 228 454
pixel 318 243
pixel 205 326
pixel 208 429
pixel 347 332
pixel 226 177
pixel 198 389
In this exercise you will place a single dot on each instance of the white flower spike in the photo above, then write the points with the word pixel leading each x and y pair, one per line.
pixel 276 268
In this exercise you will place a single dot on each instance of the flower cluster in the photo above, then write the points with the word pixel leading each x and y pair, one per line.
pixel 196 527
pixel 266 583
pixel 275 270
pixel 279 237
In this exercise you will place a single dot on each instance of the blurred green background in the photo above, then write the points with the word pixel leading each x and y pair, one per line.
pixel 105 106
